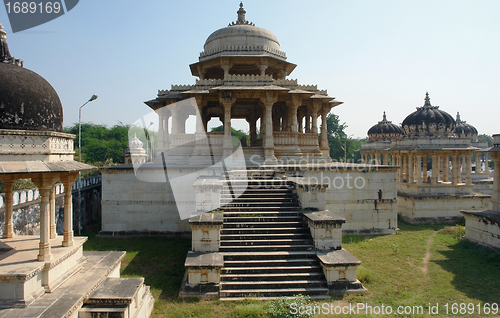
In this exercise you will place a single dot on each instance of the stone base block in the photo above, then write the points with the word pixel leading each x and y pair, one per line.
pixel 340 269
pixel 203 291
pixel 439 209
pixel 483 228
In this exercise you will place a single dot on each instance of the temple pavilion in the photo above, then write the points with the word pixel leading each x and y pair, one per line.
pixel 242 74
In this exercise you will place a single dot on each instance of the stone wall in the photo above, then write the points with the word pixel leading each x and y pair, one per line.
pixel 442 209
pixel 131 205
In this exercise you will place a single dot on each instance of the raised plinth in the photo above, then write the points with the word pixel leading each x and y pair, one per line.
pixel 483 227
pixel 202 276
pixel 340 268
pixel 23 278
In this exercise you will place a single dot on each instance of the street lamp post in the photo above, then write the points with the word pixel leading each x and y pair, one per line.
pixel 92 98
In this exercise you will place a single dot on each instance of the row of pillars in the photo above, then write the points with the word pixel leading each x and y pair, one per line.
pixel 267 125
pixel 46 187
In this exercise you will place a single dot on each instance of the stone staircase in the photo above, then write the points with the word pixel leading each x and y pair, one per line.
pixel 268 249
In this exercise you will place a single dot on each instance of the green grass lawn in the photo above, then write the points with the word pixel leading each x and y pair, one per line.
pixel 421 265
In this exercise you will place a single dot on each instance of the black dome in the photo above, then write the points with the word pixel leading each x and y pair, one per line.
pixel 28 101
pixel 385 130
pixel 428 120
pixel 462 129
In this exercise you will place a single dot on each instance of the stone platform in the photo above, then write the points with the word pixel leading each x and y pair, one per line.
pixel 483 227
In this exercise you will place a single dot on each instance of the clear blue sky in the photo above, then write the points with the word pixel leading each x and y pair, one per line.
pixel 374 56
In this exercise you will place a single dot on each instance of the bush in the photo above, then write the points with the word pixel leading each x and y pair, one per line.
pixel 282 307
pixel 365 275
pixel 459 231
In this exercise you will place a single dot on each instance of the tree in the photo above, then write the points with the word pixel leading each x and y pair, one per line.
pixel 338 139
pixel 485 138
pixel 236 133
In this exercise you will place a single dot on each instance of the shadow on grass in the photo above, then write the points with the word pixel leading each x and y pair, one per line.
pixel 405 226
pixel 160 260
pixel 476 270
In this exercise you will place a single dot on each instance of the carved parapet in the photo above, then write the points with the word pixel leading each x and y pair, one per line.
pixel 248 79
pixel 326 229
pixel 288 83
pixel 245 49
pixel 209 83
pixel 180 88
pixel 310 88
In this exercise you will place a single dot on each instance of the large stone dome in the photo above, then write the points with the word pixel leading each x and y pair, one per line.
pixel 385 130
pixel 27 100
pixel 241 38
pixel 428 120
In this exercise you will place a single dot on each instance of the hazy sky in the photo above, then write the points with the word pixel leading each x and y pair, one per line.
pixel 374 56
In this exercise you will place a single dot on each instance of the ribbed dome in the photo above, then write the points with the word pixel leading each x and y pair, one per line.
pixel 239 38
pixel 464 130
pixel 385 130
pixel 27 100
pixel 428 120
pixel 135 143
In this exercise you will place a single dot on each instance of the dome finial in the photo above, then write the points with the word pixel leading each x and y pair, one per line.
pixel 458 118
pixel 241 15
pixel 384 118
pixel 427 100
pixel 4 48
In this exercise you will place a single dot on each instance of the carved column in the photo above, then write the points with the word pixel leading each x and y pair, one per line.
pixel 292 110
pixel 435 169
pixel 227 102
pixel 8 230
pixel 44 245
pixel 316 106
pixel 486 167
pixel 455 171
pixel 308 122
pixel 446 167
pixel 268 102
pixel 52 205
pixel 68 181
pixel 324 130
pixel 419 169
pixel 401 162
pixel 478 162
pixel 495 196
pixel 468 171
pixel 411 166
pixel 175 120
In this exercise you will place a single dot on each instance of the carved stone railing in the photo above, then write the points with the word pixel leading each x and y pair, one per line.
pixel 283 138
pixel 248 79
pixel 88 182
pixel 244 49
pixel 27 196
pixel 308 139
pixel 209 82
pixel 182 140
pixel 288 83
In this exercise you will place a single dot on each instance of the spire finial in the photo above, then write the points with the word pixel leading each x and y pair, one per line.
pixel 427 99
pixel 385 117
pixel 458 120
pixel 4 48
pixel 241 15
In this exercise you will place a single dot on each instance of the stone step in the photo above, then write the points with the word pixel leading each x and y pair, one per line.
pixel 271 236
pixel 250 191
pixel 240 270
pixel 275 255
pixel 265 194
pixel 255 219
pixel 235 204
pixel 285 247
pixel 271 277
pixel 258 225
pixel 277 292
pixel 258 209
pixel 273 213
pixel 245 262
pixel 314 297
pixel 270 230
pixel 265 242
pixel 272 284
pixel 257 199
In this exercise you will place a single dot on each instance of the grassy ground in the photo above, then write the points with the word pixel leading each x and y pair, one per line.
pixel 421 265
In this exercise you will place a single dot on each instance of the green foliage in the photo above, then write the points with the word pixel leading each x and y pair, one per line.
pixel 338 140
pixel 239 134
pixel 365 275
pixel 459 231
pixel 485 138
pixel 289 307
pixel 103 146
pixel 19 184
pixel 251 310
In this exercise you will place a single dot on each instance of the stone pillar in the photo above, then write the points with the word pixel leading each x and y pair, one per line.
pixel 200 128
pixel 402 162
pixel 166 134
pixel 175 120
pixel 446 167
pixel 263 69
pixel 293 106
pixel 52 205
pixel 495 197
pixel 386 158
pixel 435 169
pixel 68 209
pixel 308 122
pixel 455 171
pixel 468 171
pixel 411 168
pixel 227 144
pixel 300 128
pixel 44 254
pixel 478 162
pixel 268 102
pixel 324 131
pixel 8 230
pixel 486 167
pixel 252 122
pixel 419 170
pixel 406 159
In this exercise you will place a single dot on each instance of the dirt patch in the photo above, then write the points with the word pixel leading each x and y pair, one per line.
pixel 448 230
pixel 427 256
